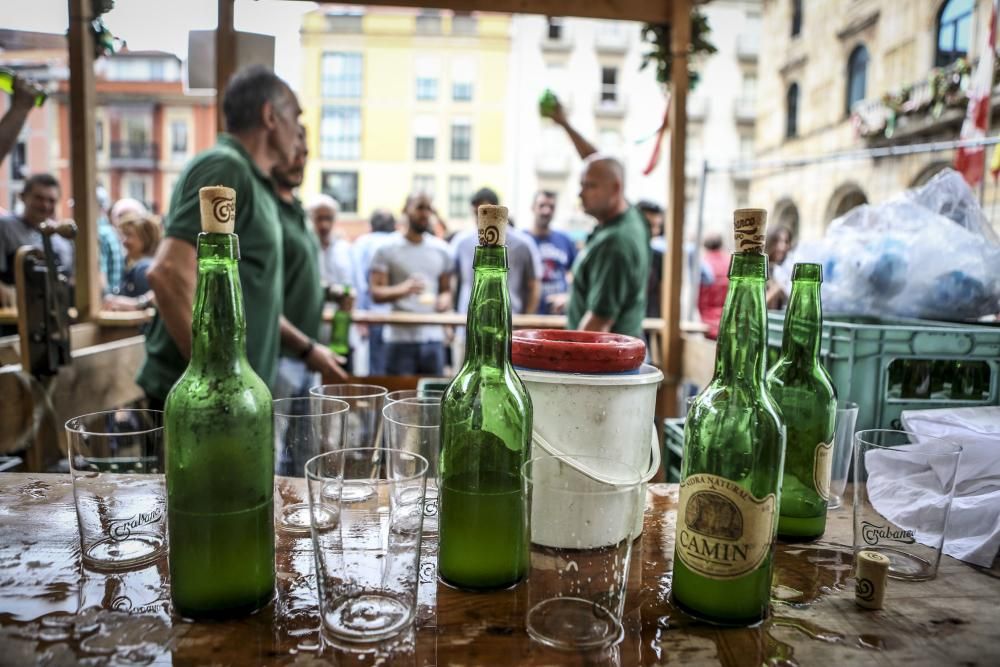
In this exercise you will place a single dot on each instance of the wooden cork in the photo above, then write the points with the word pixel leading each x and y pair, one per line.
pixel 749 229
pixel 872 574
pixel 218 209
pixel 492 224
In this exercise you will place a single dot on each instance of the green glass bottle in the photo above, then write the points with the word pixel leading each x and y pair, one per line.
pixel 7 85
pixel 734 447
pixel 340 335
pixel 485 435
pixel 802 388
pixel 219 443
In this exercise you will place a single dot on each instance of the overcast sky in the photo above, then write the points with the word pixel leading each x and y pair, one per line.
pixel 163 24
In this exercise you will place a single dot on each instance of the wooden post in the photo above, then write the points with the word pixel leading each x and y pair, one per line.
pixel 83 157
pixel 225 57
pixel 680 38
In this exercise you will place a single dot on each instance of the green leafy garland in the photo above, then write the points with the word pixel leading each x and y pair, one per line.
pixel 658 37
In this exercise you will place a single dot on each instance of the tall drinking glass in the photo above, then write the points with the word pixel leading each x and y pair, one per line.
pixel 903 487
pixel 367 555
pixel 581 512
pixel 304 427
pixel 843 445
pixel 401 394
pixel 117 466
pixel 364 425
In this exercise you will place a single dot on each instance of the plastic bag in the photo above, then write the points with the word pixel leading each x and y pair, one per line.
pixel 929 254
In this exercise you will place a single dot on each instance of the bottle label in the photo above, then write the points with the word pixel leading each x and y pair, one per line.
pixel 822 468
pixel 723 530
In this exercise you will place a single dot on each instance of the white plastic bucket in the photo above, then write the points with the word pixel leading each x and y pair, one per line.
pixel 609 416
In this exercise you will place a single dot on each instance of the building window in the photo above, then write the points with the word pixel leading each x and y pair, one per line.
pixel 555 32
pixel 428 73
pixel 99 136
pixel 341 75
pixel 178 138
pixel 429 22
pixel 609 84
pixel 954 23
pixel 424 148
pixel 342 186
pixel 135 187
pixel 796 17
pixel 463 24
pixel 461 141
pixel 19 162
pixel 340 133
pixel 463 74
pixel 857 75
pixel 746 147
pixel 792 111
pixel 425 137
pixel 423 184
pixel 459 194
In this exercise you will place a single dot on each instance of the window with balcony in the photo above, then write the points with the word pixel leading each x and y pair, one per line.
pixel 463 74
pixel 423 184
pixel 178 138
pixel 792 112
pixel 425 131
pixel 340 75
pixel 954 25
pixel 609 85
pixel 459 194
pixel 464 24
pixel 857 75
pixel 19 162
pixel 796 17
pixel 340 133
pixel 99 136
pixel 429 22
pixel 428 73
pixel 342 186
pixel 461 141
pixel 746 147
pixel 423 149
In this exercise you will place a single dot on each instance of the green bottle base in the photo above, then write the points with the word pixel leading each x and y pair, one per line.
pixel 801 529
pixel 727 602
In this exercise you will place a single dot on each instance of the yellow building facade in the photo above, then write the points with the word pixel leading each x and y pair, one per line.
pixel 397 101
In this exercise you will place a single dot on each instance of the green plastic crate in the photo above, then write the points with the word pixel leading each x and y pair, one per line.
pixel 858 353
pixel 673 448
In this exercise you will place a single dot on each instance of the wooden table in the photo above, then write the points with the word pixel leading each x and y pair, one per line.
pixel 952 620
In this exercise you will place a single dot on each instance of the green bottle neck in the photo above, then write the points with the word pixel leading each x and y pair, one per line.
pixel 803 323
pixel 742 348
pixel 218 327
pixel 488 325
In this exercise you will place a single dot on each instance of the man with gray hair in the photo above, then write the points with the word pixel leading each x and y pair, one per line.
pixel 336 266
pixel 262 131
pixel 611 273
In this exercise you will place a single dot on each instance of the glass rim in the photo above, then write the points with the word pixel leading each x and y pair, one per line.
pixel 953 448
pixel 310 474
pixel 625 486
pixel 421 394
pixel 374 390
pixel 409 424
pixel 89 415
pixel 851 405
pixel 328 401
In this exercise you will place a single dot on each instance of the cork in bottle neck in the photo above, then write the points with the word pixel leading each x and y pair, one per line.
pixel 218 209
pixel 749 230
pixel 492 225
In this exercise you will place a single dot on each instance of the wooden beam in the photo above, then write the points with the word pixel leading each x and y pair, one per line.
pixel 225 57
pixel 624 10
pixel 680 39
pixel 83 157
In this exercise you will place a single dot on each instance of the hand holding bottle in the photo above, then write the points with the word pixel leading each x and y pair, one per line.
pixel 322 360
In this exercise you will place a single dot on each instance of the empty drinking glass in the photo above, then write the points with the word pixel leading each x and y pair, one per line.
pixel 116 462
pixel 304 427
pixel 843 445
pixel 366 551
pixel 903 488
pixel 582 512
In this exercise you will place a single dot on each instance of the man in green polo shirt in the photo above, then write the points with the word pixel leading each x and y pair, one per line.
pixel 610 275
pixel 301 356
pixel 261 115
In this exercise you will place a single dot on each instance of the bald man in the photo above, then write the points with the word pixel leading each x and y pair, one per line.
pixel 610 276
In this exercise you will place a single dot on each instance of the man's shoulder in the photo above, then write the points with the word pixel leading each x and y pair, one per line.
pixel 434 243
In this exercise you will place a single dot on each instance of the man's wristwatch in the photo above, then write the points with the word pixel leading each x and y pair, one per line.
pixel 308 348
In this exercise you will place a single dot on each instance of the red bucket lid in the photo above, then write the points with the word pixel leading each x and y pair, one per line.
pixel 566 351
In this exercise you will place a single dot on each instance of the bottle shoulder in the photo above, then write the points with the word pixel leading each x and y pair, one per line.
pixel 243 392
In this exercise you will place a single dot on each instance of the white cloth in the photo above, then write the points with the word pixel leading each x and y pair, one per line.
pixel 973 532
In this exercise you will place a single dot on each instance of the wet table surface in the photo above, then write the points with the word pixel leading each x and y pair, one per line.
pixel 53 611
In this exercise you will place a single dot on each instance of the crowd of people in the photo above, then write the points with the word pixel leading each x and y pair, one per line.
pixel 293 263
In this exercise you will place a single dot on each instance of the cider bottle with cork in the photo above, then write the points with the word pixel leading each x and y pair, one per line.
pixel 734 447
pixel 219 443
pixel 486 423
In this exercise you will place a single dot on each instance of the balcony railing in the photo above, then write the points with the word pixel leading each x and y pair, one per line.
pixel 135 152
pixel 747 47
